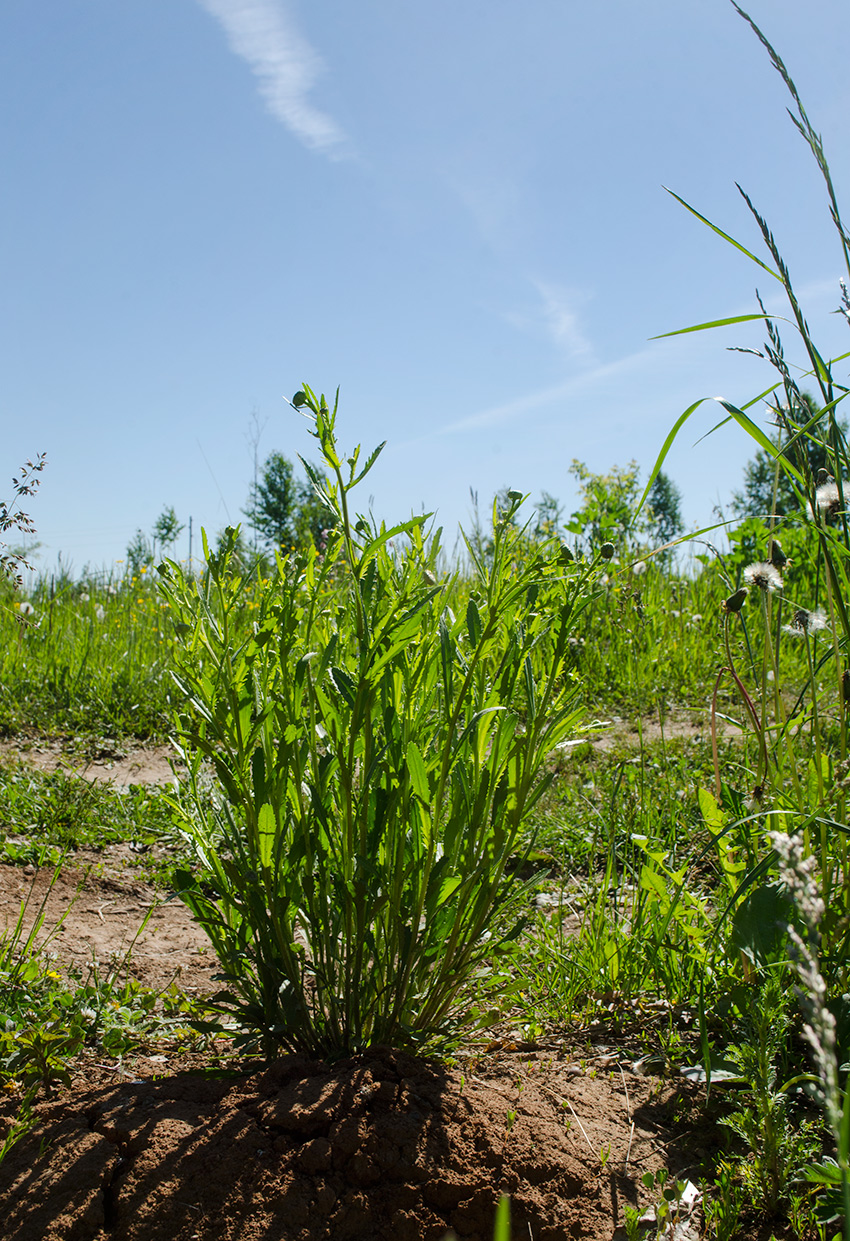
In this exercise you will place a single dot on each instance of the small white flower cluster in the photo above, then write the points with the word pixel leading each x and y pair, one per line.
pixel 798 876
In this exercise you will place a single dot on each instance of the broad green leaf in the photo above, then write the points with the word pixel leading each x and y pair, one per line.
pixel 267 831
pixel 344 684
pixel 416 769
pixel 760 923
pixel 712 815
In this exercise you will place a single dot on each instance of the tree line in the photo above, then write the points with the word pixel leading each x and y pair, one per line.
pixel 284 511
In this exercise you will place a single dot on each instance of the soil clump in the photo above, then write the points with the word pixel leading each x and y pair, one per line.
pixel 384 1146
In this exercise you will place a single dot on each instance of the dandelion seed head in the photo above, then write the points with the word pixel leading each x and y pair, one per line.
pixel 803 622
pixel 763 576
pixel 827 498
pixel 26 609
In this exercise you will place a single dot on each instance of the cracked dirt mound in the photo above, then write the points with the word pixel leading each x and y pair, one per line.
pixel 386 1146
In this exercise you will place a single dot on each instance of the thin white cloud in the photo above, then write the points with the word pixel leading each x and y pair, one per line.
pixel 264 35
pixel 561 321
pixel 600 384
pixel 555 316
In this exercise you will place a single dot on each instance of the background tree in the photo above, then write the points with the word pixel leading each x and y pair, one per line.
pixel 608 502
pixel 283 509
pixel 664 509
pixel 607 510
pixel 549 514
pixel 139 553
pixel 166 530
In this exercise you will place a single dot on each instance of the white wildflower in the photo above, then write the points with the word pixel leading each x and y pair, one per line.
pixel 100 612
pixel 26 609
pixel 84 598
pixel 639 568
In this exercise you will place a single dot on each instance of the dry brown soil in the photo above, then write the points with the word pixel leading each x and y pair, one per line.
pixel 169 1146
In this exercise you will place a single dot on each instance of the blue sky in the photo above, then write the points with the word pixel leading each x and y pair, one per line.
pixel 454 211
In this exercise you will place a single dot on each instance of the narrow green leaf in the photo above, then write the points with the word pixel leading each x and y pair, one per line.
pixel 403 527
pixel 844 1133
pixel 725 236
pixel 473 622
pixel 704 327
pixel 373 457
pixel 502 1230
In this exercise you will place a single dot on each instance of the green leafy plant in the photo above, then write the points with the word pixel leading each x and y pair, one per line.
pixel 379 756
pixel 671 1207
pixel 723 1209
pixel 778 1148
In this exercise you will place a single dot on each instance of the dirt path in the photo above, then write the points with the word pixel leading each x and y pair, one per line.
pixel 100 918
pixel 108 765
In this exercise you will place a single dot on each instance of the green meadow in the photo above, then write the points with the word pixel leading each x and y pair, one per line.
pixel 585 772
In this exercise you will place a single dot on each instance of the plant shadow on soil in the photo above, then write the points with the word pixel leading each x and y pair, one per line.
pixel 385 1145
